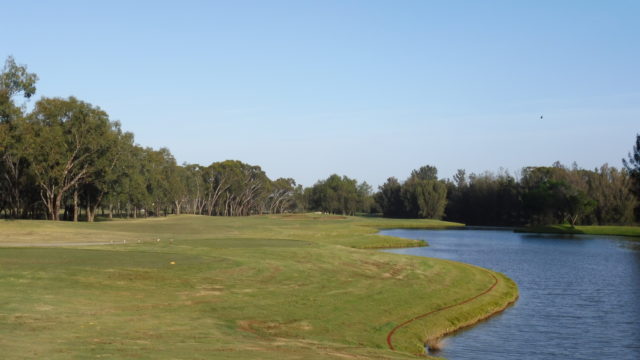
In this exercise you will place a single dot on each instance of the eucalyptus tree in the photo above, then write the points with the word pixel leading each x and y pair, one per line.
pixel 14 168
pixel 159 167
pixel 301 198
pixel 67 153
pixel 132 191
pixel 281 195
pixel 217 181
pixel 15 80
pixel 176 180
pixel 233 188
pixel 195 187
pixel 107 171
pixel 67 138
pixel 248 191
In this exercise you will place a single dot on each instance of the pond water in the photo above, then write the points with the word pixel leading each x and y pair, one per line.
pixel 579 295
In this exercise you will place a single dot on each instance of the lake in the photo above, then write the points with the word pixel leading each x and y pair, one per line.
pixel 579 295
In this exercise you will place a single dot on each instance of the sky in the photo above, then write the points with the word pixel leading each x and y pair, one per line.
pixel 368 89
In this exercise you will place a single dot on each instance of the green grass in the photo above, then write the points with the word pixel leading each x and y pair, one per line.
pixel 264 287
pixel 632 231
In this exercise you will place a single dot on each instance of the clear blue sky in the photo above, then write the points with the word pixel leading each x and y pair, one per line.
pixel 368 89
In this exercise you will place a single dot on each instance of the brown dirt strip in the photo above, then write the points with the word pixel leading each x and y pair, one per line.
pixel 390 334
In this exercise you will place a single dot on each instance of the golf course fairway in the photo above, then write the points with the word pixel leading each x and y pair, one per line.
pixel 261 287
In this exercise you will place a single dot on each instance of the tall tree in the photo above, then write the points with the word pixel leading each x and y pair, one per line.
pixel 281 195
pixel 612 193
pixel 195 185
pixel 66 139
pixel 335 195
pixel 217 181
pixel 14 178
pixel 176 180
pixel 159 165
pixel 632 164
pixel 423 194
pixel 106 171
pixel 424 198
pixel 389 198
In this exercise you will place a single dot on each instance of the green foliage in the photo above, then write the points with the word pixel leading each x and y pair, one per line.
pixel 632 165
pixel 68 143
pixel 427 173
pixel 389 198
pixel 484 199
pixel 339 195
pixel 281 196
pixel 15 79
pixel 424 198
pixel 544 195
pixel 421 196
pixel 15 193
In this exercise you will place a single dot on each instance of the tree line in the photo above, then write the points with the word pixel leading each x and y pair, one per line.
pixel 539 195
pixel 536 195
pixel 544 195
pixel 66 160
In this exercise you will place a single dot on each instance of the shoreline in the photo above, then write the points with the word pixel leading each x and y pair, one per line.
pixel 479 320
pixel 422 316
pixel 601 230
pixel 510 301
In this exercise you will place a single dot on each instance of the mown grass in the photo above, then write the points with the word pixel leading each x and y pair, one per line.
pixel 267 287
pixel 632 231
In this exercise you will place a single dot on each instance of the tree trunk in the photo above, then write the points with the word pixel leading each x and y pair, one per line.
pixel 92 209
pixel 55 216
pixel 75 204
pixel 89 212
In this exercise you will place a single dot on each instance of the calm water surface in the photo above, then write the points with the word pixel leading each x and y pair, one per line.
pixel 579 295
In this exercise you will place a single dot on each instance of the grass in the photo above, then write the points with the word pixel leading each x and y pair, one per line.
pixel 264 287
pixel 632 231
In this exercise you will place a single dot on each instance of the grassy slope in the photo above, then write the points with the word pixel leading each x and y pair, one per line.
pixel 633 231
pixel 287 287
